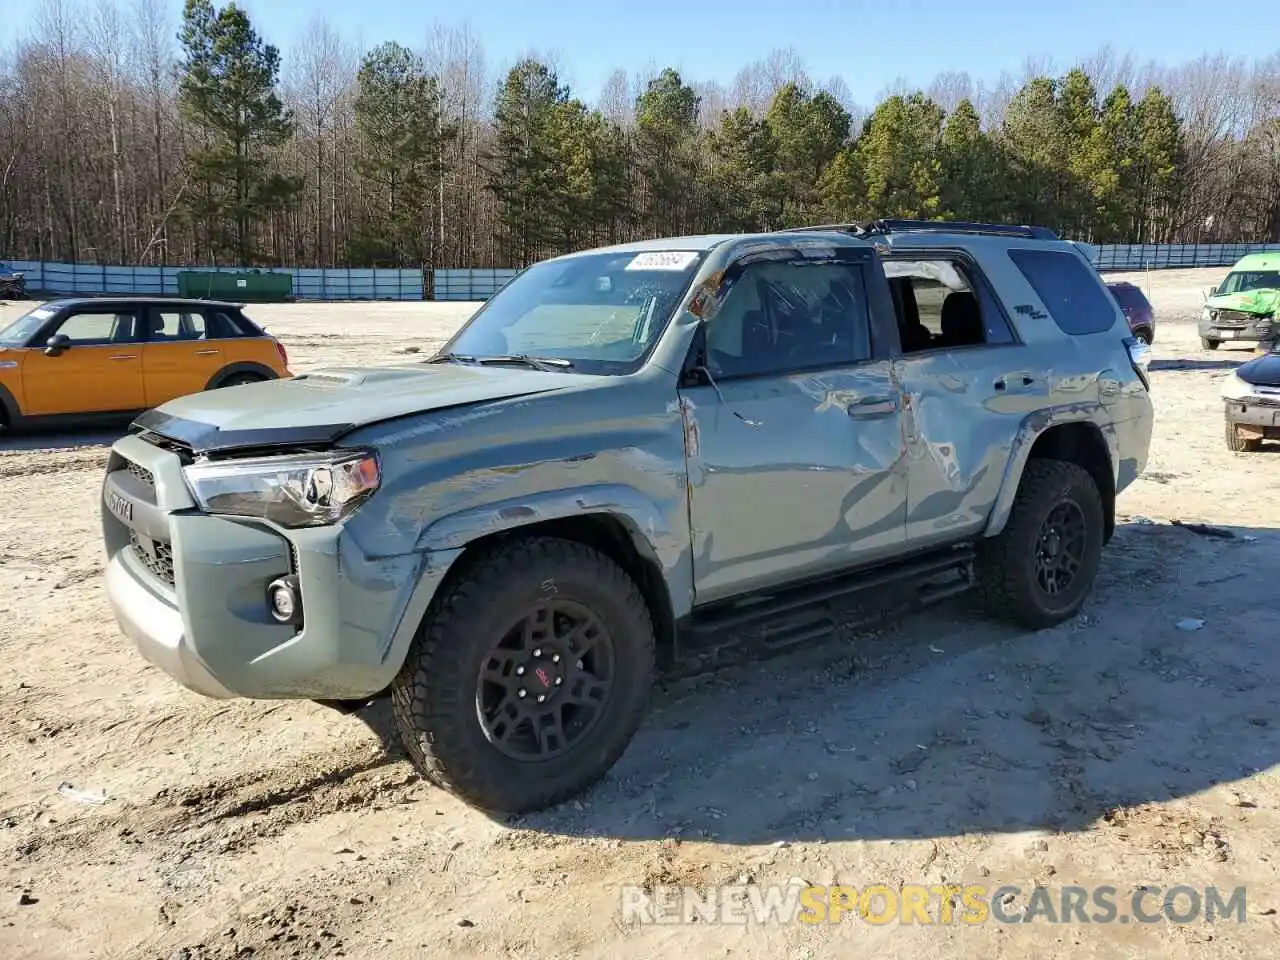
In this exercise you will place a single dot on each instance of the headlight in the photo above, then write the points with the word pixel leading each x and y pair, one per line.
pixel 304 490
pixel 1234 388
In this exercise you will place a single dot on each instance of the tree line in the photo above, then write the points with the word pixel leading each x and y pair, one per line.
pixel 128 138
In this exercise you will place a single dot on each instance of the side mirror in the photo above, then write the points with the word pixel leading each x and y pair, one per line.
pixel 57 344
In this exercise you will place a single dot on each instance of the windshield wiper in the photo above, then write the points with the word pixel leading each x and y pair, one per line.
pixel 451 358
pixel 538 363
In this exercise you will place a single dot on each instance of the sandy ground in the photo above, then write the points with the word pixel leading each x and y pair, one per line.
pixel 1115 750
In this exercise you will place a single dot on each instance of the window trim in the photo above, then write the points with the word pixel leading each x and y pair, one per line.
pixel 692 372
pixel 1107 295
pixel 989 301
pixel 55 324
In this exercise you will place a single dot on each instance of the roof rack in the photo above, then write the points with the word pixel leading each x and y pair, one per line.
pixel 883 226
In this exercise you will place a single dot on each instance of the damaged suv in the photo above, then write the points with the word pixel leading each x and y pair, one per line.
pixel 628 452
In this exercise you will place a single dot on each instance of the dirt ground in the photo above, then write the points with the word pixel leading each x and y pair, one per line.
pixel 1114 750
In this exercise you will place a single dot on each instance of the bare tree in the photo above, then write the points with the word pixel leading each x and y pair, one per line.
pixel 323 66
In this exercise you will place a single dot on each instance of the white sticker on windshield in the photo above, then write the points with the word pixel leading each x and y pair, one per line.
pixel 663 260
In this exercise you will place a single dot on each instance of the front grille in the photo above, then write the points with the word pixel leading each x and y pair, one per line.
pixel 155 555
pixel 1234 318
pixel 141 474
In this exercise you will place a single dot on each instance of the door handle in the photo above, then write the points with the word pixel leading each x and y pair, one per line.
pixel 869 407
pixel 124 356
pixel 205 353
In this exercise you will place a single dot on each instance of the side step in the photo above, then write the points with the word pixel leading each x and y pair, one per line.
pixel 795 615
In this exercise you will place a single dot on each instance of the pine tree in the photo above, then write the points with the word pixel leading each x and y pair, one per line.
pixel 524 173
pixel 228 92
pixel 397 112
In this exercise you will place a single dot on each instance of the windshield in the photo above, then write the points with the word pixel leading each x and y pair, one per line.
pixel 19 331
pixel 1238 282
pixel 600 311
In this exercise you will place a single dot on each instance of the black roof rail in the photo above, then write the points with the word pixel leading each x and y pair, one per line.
pixel 895 225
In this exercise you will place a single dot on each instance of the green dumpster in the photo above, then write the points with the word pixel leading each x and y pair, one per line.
pixel 248 286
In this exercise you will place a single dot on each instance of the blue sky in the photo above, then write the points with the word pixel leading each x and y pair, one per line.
pixel 871 43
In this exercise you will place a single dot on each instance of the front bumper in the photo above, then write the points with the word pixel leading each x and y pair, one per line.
pixel 1260 418
pixel 1241 326
pixel 189 590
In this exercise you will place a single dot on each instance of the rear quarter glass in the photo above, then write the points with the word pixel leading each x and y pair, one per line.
pixel 1070 290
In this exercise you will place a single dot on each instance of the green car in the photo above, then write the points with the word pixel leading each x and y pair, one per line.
pixel 1243 306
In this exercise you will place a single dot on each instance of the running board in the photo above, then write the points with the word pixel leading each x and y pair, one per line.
pixel 797 615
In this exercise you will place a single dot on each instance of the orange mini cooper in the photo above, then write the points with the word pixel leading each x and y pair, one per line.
pixel 84 359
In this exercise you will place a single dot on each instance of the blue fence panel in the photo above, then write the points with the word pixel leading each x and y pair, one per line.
pixel 468 284
pixel 86 279
pixel 50 278
pixel 1165 256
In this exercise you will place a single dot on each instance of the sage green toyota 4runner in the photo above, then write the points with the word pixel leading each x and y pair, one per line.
pixel 625 452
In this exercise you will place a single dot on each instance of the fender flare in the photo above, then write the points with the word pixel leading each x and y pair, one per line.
pixel 241 366
pixel 642 517
pixel 13 415
pixel 1035 425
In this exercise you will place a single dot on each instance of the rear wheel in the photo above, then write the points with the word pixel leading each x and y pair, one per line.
pixel 528 677
pixel 1143 335
pixel 1209 344
pixel 1241 444
pixel 1040 569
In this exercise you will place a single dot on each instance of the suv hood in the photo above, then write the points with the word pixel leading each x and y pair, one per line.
pixel 320 406
pixel 1261 302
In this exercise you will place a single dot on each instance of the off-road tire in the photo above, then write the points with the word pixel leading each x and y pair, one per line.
pixel 1006 563
pixel 434 696
pixel 1241 444
pixel 1208 344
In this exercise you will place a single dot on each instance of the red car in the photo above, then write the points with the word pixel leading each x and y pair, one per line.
pixel 1137 309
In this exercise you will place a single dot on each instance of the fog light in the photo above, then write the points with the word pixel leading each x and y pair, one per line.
pixel 284 600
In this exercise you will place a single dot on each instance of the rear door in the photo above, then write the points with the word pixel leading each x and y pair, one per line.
pixel 969 384
pixel 99 372
pixel 182 352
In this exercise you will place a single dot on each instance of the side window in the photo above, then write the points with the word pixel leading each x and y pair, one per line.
pixel 177 325
pixel 224 325
pixel 943 304
pixel 96 327
pixel 1070 290
pixel 784 317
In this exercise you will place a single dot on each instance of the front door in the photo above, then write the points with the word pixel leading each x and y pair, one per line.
pixel 795 449
pixel 100 371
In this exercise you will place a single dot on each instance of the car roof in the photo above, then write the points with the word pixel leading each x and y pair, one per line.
pixel 64 302
pixel 702 243
pixel 1258 261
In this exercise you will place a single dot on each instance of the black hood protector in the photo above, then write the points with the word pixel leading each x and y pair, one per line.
pixel 1263 371
pixel 204 438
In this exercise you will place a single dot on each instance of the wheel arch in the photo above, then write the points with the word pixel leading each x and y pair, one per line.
pixel 241 366
pixel 1077 439
pixel 10 414
pixel 620 522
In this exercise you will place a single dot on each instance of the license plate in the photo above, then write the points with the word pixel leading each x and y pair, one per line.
pixel 121 507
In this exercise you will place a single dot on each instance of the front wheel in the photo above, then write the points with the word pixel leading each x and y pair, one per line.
pixel 1040 568
pixel 1210 344
pixel 529 676
pixel 1240 444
